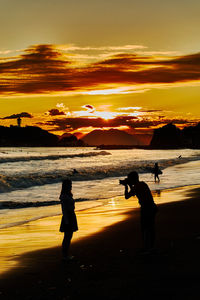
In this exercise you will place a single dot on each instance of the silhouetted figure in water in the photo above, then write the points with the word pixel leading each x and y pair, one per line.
pixel 156 172
pixel 69 222
pixel 134 187
pixel 75 171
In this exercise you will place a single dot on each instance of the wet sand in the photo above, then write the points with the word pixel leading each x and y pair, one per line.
pixel 108 263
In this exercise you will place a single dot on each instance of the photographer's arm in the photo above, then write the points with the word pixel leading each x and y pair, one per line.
pixel 128 194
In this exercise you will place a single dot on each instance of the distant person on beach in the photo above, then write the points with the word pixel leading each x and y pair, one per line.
pixel 134 187
pixel 156 172
pixel 69 222
pixel 75 171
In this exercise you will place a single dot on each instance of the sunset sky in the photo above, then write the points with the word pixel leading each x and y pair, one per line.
pixel 75 66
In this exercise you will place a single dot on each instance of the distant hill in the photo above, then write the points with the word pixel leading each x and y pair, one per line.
pixel 191 136
pixel 65 135
pixel 31 136
pixel 70 140
pixel 110 137
pixel 171 137
pixel 168 136
pixel 144 139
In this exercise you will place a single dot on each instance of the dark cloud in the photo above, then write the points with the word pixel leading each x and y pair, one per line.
pixel 90 107
pixel 21 115
pixel 55 112
pixel 83 122
pixel 162 121
pixel 41 69
pixel 71 124
pixel 44 69
pixel 150 110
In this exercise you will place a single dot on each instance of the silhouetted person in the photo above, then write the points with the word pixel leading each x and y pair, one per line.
pixel 75 171
pixel 19 121
pixel 134 187
pixel 69 222
pixel 156 172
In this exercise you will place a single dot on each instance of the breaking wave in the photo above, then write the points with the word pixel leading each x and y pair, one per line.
pixel 10 183
pixel 51 157
pixel 16 205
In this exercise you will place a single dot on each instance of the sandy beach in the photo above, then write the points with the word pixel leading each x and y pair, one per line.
pixel 108 263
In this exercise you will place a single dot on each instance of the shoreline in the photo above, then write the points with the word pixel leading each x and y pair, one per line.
pixel 107 262
pixel 42 232
pixel 91 204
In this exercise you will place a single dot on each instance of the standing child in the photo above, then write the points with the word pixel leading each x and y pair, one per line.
pixel 69 222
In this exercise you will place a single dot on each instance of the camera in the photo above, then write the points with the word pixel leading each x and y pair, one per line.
pixel 124 181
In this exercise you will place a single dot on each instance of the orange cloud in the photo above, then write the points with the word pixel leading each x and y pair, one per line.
pixel 44 69
pixel 71 124
pixel 55 112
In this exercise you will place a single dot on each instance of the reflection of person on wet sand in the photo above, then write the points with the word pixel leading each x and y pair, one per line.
pixel 134 187
pixel 69 222
pixel 157 193
pixel 156 172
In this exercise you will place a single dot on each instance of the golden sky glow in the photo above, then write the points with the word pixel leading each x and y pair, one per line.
pixel 79 65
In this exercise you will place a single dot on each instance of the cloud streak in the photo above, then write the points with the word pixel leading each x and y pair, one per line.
pixel 131 122
pixel 108 48
pixel 45 69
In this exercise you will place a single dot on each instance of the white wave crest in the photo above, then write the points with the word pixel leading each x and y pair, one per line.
pixel 51 157
pixel 10 183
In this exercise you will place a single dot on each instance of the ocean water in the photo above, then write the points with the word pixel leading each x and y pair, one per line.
pixel 30 178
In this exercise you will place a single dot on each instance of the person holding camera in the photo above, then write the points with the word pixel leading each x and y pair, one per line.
pixel 135 187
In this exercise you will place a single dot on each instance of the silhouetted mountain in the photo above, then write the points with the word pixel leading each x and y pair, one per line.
pixel 79 135
pixel 31 136
pixel 191 136
pixel 109 137
pixel 168 136
pixel 28 136
pixel 171 137
pixel 65 135
pixel 144 139
pixel 70 140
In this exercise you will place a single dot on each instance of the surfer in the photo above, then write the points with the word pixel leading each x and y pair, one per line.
pixel 156 172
